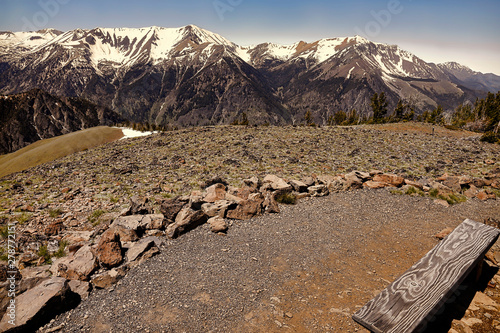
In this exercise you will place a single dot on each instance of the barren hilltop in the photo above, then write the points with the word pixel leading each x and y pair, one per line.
pixel 239 228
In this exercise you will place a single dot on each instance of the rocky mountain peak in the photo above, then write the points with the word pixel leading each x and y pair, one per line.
pixel 191 76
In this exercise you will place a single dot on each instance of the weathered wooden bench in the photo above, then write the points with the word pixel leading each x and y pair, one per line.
pixel 408 304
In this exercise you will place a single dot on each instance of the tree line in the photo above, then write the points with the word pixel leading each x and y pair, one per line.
pixel 483 116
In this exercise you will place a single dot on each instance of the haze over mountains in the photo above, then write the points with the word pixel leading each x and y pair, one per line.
pixel 190 76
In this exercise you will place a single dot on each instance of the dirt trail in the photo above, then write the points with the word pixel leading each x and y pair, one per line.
pixel 306 269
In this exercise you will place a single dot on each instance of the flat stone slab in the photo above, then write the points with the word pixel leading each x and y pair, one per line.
pixel 36 305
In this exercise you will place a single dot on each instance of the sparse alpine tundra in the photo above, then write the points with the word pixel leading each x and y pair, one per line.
pixel 190 76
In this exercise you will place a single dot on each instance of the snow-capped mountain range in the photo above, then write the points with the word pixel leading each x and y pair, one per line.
pixel 191 76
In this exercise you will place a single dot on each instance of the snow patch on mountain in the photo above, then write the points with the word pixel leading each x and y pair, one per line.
pixel 129 133
pixel 26 40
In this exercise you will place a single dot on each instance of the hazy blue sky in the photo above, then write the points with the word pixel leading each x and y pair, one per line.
pixel 437 31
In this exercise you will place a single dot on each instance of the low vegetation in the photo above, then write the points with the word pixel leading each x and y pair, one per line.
pixel 43 252
pixel 55 212
pixel 286 198
pixel 94 217
pixel 61 250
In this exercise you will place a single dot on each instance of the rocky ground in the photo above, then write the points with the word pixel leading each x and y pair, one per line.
pixel 110 218
pixel 307 269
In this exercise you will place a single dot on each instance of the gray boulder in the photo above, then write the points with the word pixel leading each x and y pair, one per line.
pixel 318 191
pixel 276 183
pixel 186 220
pixel 218 224
pixel 37 306
pixel 137 250
pixel 76 267
pixel 298 186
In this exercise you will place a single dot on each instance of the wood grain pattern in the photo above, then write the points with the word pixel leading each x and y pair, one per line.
pixel 408 303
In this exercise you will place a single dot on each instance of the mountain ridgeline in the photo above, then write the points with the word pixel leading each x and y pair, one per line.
pixel 189 76
pixel 34 115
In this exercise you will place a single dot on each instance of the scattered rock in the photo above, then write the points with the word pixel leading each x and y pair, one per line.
pixel 78 237
pixel 132 222
pixel 153 221
pixel 472 321
pixel 375 172
pixel 233 198
pixel 309 181
pixel 443 233
pixel 253 182
pixel 126 235
pixel 270 204
pixel 442 189
pixel 218 224
pixel 170 208
pixel 218 208
pixel 81 288
pixel 391 179
pixel 214 193
pixel 299 186
pixel 76 267
pixel 461 326
pixel 186 220
pixel 32 276
pixel 353 181
pixel 139 248
pixel 109 250
pixel 484 195
pixel 302 196
pixel 325 179
pixel 363 176
pixel 54 228
pixel 242 193
pixel 471 192
pixel 414 184
pixel 246 209
pixel 353 177
pixel 139 206
pixel 318 191
pixel 337 185
pixel 478 182
pixel 196 200
pixel 441 202
pixel 109 278
pixel 27 258
pixel 485 302
pixel 276 183
pixel 38 305
pixel 374 185
pixel 453 183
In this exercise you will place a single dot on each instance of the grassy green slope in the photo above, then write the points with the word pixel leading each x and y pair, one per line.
pixel 44 151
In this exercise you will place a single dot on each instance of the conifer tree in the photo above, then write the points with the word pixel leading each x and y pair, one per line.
pixel 399 111
pixel 308 118
pixel 379 107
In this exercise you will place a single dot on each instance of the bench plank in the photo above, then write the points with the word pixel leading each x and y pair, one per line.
pixel 413 298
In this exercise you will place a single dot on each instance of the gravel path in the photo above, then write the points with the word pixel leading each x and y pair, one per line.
pixel 306 269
